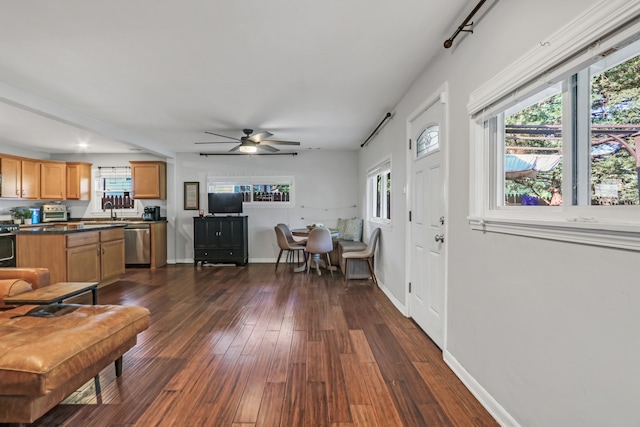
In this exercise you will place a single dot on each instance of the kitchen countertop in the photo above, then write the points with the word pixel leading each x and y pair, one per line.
pixel 65 228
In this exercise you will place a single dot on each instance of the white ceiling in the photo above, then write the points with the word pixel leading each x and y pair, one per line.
pixel 154 75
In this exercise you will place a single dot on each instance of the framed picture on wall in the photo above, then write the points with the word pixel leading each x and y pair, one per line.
pixel 191 196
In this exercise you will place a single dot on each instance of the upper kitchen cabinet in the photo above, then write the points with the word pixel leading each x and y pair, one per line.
pixel 78 181
pixel 53 180
pixel 20 178
pixel 149 179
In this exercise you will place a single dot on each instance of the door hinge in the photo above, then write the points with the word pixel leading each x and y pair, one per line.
pixel 409 287
pixel 409 216
pixel 409 143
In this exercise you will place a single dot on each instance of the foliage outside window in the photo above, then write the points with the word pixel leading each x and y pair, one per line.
pixel 379 193
pixel 256 191
pixel 555 154
pixel 535 139
pixel 114 185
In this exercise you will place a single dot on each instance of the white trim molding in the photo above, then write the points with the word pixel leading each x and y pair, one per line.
pixel 584 35
pixel 581 231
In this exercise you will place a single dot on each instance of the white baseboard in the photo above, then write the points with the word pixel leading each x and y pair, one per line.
pixel 401 307
pixel 490 404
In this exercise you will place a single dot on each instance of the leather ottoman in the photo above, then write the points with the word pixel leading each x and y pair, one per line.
pixel 45 359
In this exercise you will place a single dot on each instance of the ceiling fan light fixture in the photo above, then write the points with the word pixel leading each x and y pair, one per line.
pixel 248 148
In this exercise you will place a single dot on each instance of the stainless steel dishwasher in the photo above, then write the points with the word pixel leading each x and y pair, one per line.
pixel 137 244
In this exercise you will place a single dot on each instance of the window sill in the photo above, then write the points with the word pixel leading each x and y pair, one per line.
pixel 619 236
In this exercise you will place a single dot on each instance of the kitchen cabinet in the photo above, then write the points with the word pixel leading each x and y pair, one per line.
pixel 87 255
pixel 111 253
pixel 11 170
pixel 83 262
pixel 30 179
pixel 149 179
pixel 53 180
pixel 20 178
pixel 78 181
pixel 221 239
pixel 158 244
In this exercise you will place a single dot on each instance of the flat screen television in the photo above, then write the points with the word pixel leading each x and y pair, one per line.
pixel 227 203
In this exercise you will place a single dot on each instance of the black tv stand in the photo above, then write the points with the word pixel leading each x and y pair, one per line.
pixel 220 240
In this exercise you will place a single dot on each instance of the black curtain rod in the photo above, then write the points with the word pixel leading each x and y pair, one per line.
pixel 254 154
pixel 375 130
pixel 449 42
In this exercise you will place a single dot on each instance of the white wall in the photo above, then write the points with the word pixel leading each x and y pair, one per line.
pixel 545 332
pixel 326 188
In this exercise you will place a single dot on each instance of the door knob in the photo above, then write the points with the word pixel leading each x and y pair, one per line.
pixel 439 238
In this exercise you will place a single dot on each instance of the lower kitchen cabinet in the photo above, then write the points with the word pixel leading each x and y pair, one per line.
pixel 80 256
pixel 158 244
pixel 220 239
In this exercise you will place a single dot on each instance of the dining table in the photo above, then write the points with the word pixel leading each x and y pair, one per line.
pixel 304 232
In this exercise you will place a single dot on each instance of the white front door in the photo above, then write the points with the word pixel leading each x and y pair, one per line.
pixel 427 290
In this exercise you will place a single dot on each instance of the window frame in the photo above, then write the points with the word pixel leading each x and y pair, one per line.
pixel 98 176
pixel 380 171
pixel 252 181
pixel 567 52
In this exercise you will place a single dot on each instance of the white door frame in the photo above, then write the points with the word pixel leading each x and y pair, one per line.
pixel 441 94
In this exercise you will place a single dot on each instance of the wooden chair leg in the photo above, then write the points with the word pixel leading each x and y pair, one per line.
pixel 329 264
pixel 346 271
pixel 373 274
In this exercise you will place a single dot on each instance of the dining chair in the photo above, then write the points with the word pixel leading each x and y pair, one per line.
pixel 319 242
pixel 366 254
pixel 289 235
pixel 285 245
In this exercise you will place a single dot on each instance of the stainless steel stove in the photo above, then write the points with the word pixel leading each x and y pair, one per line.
pixel 8 245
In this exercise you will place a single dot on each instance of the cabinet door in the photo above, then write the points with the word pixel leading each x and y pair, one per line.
pixel 83 263
pixel 205 232
pixel 78 181
pixel 231 233
pixel 53 180
pixel 149 180
pixel 30 179
pixel 112 259
pixel 11 170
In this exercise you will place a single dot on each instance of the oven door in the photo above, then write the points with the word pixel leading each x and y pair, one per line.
pixel 7 250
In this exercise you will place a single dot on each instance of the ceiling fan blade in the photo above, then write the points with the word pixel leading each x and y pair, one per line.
pixel 224 136
pixel 267 148
pixel 274 142
pixel 258 137
pixel 236 148
pixel 216 142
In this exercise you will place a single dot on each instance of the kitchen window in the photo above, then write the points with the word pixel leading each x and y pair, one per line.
pixel 113 185
pixel 554 156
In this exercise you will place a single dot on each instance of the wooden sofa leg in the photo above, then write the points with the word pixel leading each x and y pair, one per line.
pixel 118 364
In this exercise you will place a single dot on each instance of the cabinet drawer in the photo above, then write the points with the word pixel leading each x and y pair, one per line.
pixel 82 238
pixel 218 254
pixel 116 233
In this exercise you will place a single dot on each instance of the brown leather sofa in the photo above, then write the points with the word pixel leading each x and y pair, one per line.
pixel 14 281
pixel 45 359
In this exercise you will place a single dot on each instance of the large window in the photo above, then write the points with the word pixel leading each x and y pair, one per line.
pixel 557 157
pixel 379 193
pixel 257 191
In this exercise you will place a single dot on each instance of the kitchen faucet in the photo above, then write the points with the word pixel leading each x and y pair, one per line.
pixel 109 204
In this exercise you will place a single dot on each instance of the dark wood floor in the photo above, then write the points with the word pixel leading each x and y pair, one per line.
pixel 244 346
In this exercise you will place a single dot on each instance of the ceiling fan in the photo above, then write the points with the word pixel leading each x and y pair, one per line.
pixel 251 143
